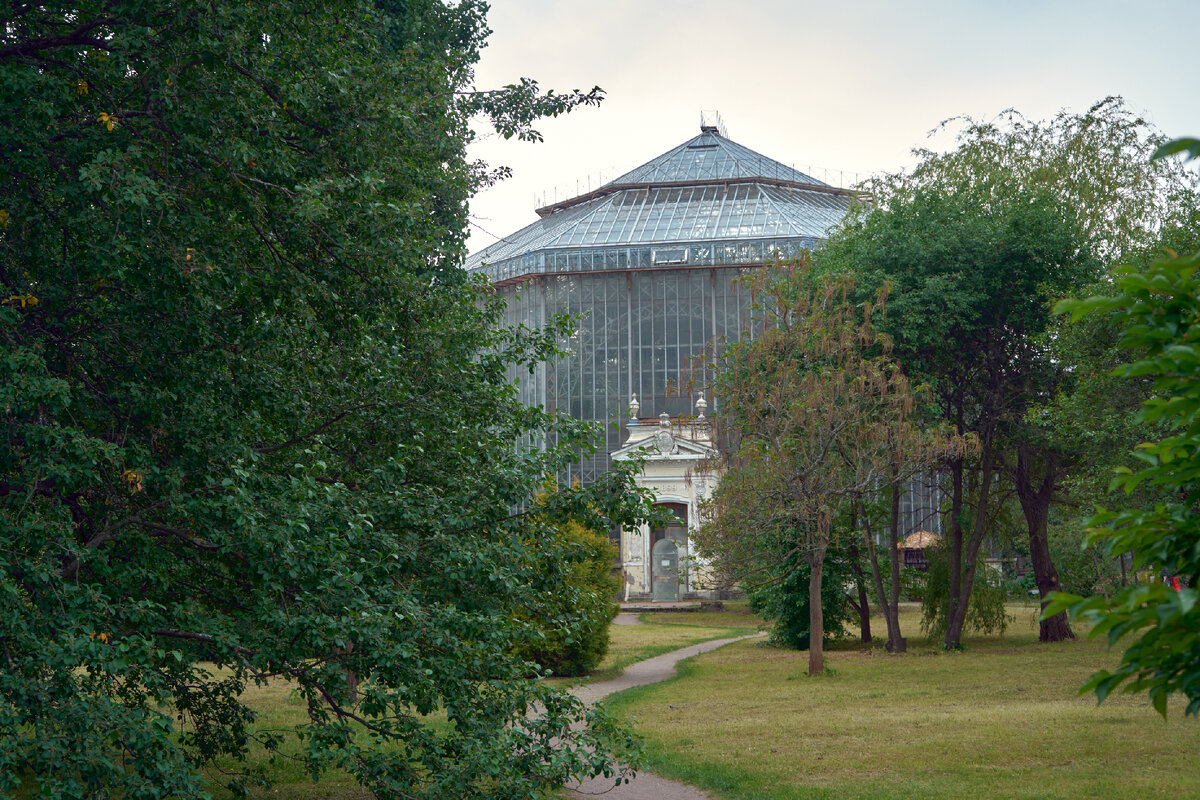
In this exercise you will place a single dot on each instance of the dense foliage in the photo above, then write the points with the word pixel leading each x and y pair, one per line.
pixel 977 243
pixel 570 629
pixel 253 415
pixel 1158 311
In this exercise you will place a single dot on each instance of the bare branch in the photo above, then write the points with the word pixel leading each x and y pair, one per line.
pixel 192 636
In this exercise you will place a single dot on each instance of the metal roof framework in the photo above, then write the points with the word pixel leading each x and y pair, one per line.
pixel 686 207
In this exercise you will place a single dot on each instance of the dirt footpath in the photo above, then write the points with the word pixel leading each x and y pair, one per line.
pixel 645 786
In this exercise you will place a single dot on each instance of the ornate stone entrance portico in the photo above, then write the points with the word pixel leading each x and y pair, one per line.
pixel 678 457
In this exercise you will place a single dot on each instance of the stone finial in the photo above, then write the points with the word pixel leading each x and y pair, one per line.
pixel 664 420
pixel 701 407
pixel 634 407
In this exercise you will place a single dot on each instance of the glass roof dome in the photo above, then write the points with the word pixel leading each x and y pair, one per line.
pixel 707 202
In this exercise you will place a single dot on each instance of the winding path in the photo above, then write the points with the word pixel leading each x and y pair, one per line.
pixel 645 786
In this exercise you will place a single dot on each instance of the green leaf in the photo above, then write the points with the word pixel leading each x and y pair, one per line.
pixel 1158 697
pixel 1189 146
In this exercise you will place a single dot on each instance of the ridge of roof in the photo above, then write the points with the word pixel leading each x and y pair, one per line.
pixel 663 216
pixel 703 159
pixel 691 161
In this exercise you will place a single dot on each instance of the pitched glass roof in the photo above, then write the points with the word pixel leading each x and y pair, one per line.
pixel 712 157
pixel 707 189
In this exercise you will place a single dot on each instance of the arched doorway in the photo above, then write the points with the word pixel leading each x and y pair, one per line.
pixel 668 548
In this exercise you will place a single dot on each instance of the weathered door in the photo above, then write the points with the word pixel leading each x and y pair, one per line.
pixel 666 569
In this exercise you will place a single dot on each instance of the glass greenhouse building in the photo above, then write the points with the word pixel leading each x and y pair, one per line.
pixel 649 263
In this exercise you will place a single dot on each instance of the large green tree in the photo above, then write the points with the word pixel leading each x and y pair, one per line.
pixel 1090 423
pixel 254 417
pixel 977 243
pixel 1157 309
pixel 1130 207
pixel 973 263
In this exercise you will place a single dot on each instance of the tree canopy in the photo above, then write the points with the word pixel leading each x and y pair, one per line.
pixel 973 269
pixel 1157 309
pixel 977 243
pixel 256 423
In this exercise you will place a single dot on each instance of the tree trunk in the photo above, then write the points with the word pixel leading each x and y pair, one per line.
pixel 864 614
pixel 956 551
pixel 956 530
pixel 816 616
pixel 896 642
pixel 969 560
pixel 864 603
pixel 1035 504
pixel 889 616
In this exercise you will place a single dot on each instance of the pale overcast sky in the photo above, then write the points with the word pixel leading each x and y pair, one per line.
pixel 848 86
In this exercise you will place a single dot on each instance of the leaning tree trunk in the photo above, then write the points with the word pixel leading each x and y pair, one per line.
pixel 969 560
pixel 889 613
pixel 890 605
pixel 863 606
pixel 1035 504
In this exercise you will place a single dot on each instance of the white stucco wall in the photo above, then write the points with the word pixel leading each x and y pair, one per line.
pixel 678 458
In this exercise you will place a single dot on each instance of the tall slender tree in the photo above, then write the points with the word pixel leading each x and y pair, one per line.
pixel 806 413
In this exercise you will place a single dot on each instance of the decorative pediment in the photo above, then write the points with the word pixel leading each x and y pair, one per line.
pixel 669 440
pixel 664 445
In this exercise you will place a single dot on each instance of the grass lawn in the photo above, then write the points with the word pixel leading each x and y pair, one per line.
pixel 662 632
pixel 1002 719
pixel 279 707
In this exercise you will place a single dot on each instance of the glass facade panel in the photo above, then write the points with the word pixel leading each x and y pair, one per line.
pixel 921 504
pixel 648 268
pixel 650 333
